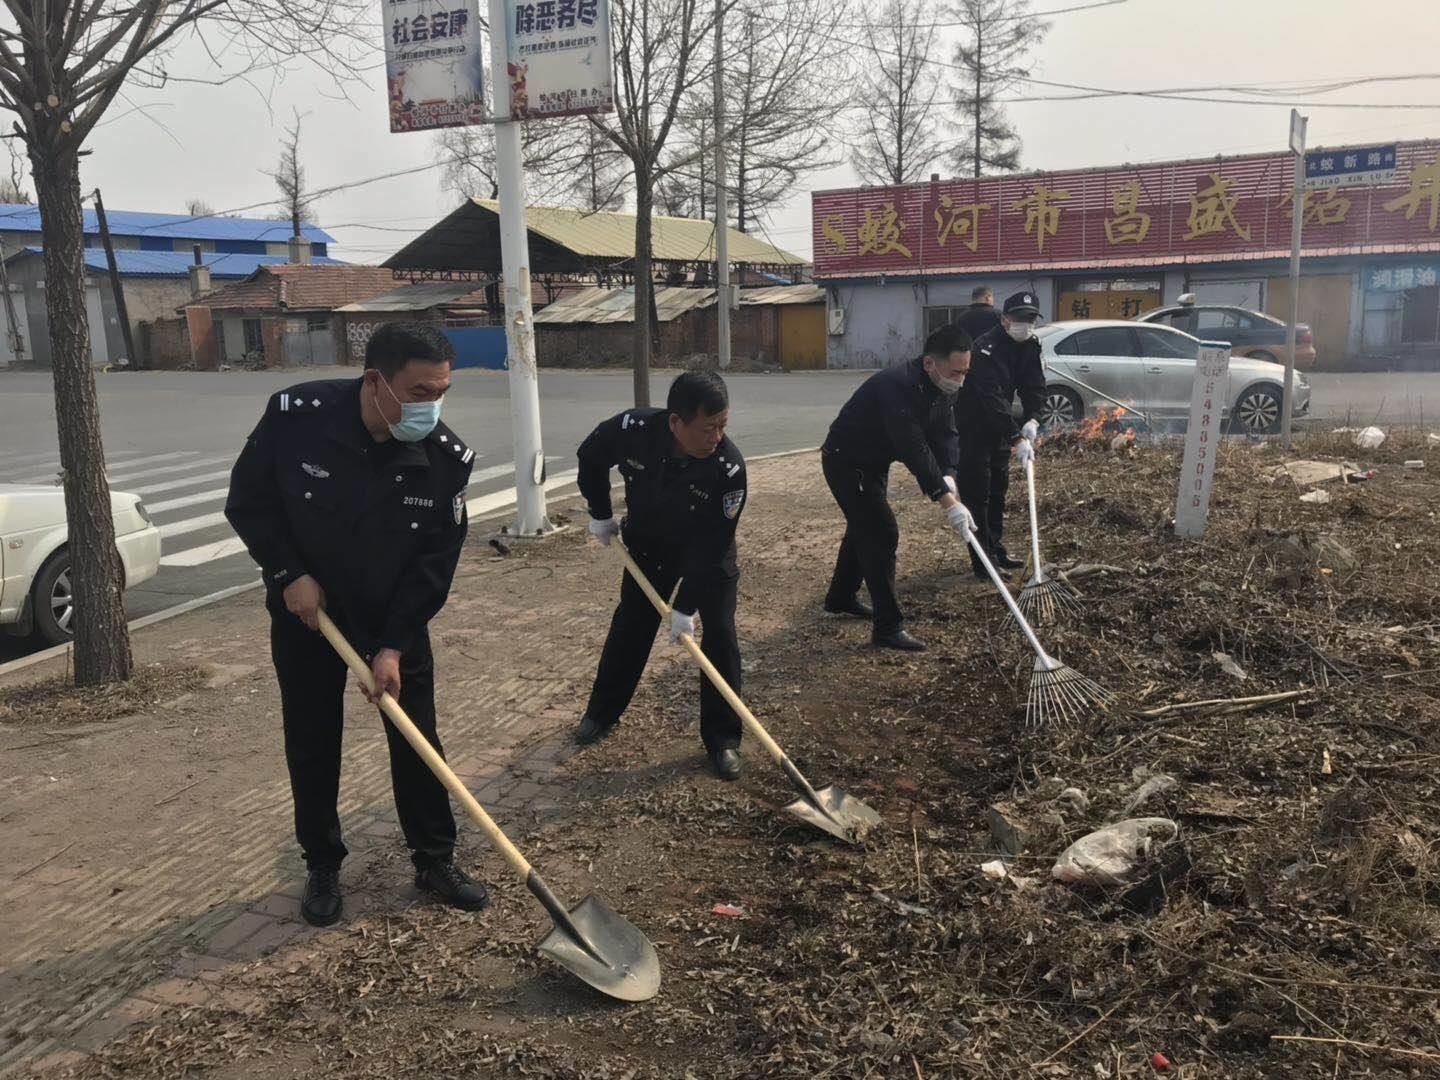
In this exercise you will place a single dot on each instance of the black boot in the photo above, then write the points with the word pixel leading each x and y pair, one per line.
pixel 853 606
pixel 452 885
pixel 591 730
pixel 1003 560
pixel 322 903
pixel 727 763
pixel 897 639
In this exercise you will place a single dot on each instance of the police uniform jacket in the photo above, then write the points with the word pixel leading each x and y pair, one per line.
pixel 978 319
pixel 999 367
pixel 379 525
pixel 675 506
pixel 899 414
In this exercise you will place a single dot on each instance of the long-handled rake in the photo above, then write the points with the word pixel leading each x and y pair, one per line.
pixel 1043 599
pixel 1059 695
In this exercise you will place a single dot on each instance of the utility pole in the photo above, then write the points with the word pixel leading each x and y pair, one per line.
pixel 722 210
pixel 530 516
pixel 16 338
pixel 115 287
pixel 1298 125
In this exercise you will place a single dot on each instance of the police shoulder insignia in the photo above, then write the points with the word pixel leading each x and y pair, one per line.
pixel 457 506
pixel 732 502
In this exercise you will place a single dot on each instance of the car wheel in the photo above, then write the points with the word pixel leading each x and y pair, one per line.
pixel 1061 407
pixel 54 600
pixel 1257 411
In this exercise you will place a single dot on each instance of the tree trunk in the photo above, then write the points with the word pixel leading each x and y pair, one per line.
pixel 644 283
pixel 102 638
pixel 979 45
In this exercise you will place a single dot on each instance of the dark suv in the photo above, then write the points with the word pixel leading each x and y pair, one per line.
pixel 1250 333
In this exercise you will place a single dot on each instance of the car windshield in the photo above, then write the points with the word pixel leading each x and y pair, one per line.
pixel 1047 331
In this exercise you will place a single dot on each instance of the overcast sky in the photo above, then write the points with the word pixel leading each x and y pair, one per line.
pixel 215 143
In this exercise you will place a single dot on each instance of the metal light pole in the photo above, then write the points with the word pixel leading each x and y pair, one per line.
pixel 530 516
pixel 722 211
pixel 1298 125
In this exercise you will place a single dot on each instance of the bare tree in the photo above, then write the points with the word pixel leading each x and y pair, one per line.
pixel 198 208
pixel 895 139
pixel 567 163
pixel 785 81
pixel 998 35
pixel 660 58
pixel 289 176
pixel 688 190
pixel 61 67
pixel 12 188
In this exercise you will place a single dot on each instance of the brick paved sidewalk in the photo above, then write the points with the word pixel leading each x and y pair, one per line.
pixel 156 851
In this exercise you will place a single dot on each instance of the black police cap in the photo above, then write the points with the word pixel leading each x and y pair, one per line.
pixel 1021 303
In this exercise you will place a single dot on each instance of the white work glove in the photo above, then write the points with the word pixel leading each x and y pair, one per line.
pixel 1024 451
pixel 959 519
pixel 950 485
pixel 604 529
pixel 680 624
pixel 1030 430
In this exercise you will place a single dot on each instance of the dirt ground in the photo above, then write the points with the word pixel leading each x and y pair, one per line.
pixel 1291 930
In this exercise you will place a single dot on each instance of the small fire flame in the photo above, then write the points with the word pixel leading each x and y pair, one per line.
pixel 1105 422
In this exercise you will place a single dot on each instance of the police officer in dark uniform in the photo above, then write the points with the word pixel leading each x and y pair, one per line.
pixel 903 413
pixel 1006 361
pixel 350 494
pixel 980 317
pixel 684 491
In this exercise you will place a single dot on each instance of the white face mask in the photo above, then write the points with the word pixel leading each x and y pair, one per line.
pixel 1020 331
pixel 948 386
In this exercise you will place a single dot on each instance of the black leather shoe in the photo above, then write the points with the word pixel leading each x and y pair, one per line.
pixel 1005 562
pixel 591 730
pixel 854 607
pixel 727 763
pixel 981 574
pixel 452 885
pixel 898 639
pixel 322 903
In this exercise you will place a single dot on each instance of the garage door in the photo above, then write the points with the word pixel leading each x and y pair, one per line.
pixel 1325 305
pixel 802 336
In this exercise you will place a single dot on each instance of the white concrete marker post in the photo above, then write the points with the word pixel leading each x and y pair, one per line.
pixel 530 515
pixel 1202 439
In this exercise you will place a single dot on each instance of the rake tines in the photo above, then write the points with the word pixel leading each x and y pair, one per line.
pixel 1043 600
pixel 1060 696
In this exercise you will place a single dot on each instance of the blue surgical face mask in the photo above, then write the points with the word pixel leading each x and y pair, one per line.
pixel 417 418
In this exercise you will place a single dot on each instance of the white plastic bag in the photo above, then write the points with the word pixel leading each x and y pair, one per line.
pixel 1369 438
pixel 1111 856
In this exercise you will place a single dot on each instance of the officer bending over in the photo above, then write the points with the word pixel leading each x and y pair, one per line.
pixel 684 491
pixel 1006 360
pixel 904 413
pixel 350 494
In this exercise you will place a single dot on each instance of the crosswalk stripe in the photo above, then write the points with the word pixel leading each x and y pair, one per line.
pixel 10 460
pixel 125 473
pixel 212 495
pixel 184 481
pixel 198 556
pixel 499 500
pixel 121 468
pixel 190 525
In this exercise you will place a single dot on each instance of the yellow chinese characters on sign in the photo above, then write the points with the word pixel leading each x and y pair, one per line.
pixel 1212 210
pixel 1325 207
pixel 879 234
pixel 958 220
pixel 1042 212
pixel 1130 222
pixel 1424 185
pixel 830 227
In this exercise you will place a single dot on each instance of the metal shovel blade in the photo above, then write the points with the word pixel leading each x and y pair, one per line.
pixel 620 961
pixel 839 814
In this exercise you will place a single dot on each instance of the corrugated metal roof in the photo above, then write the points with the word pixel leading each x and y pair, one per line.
pixel 21 217
pixel 176 264
pixel 783 294
pixel 606 235
pixel 302 287
pixel 600 305
pixel 419 296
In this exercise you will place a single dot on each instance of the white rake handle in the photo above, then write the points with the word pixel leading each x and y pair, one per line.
pixel 1034 521
pixel 1040 653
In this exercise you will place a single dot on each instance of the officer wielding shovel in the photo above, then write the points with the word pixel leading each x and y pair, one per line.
pixel 829 809
pixel 590 940
pixel 1059 695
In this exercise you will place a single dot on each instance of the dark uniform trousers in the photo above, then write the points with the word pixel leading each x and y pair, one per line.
pixel 632 634
pixel 312 690
pixel 872 536
pixel 983 479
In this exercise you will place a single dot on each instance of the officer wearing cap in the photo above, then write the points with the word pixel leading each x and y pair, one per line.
pixel 684 491
pixel 350 494
pixel 904 413
pixel 1006 360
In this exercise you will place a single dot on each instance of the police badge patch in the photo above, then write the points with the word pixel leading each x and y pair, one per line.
pixel 457 506
pixel 732 502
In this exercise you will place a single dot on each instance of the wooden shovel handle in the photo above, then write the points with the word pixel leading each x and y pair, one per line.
pixel 428 753
pixel 731 698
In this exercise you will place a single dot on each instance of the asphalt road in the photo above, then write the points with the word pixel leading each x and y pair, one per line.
pixel 171 437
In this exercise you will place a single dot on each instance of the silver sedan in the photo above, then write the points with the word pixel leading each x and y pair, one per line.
pixel 1094 363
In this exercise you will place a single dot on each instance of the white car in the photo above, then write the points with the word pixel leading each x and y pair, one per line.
pixel 1091 363
pixel 35 590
